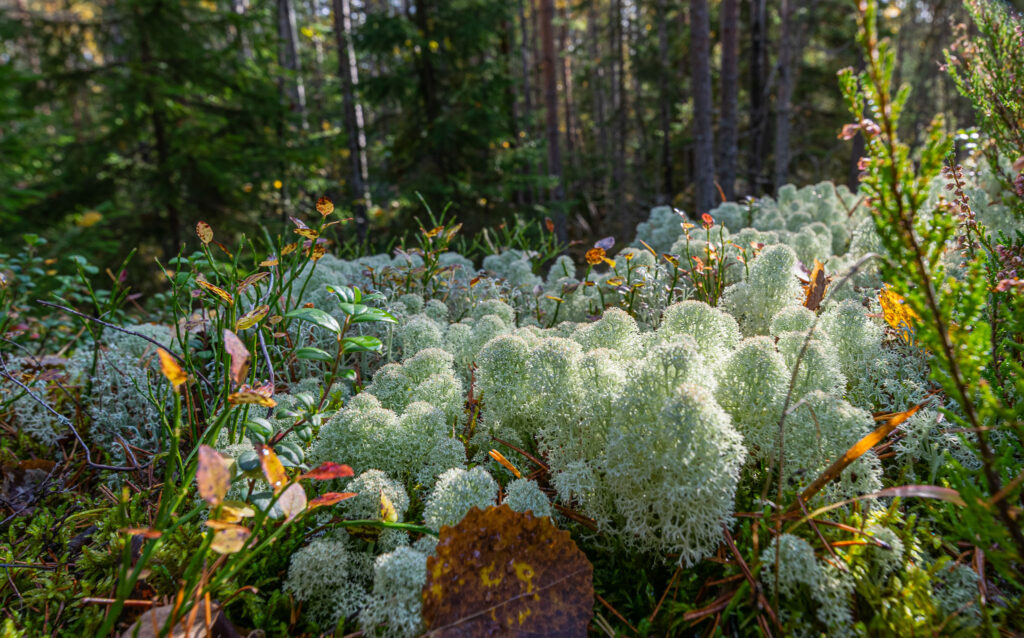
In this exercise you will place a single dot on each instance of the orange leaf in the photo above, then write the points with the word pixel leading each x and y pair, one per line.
pixel 317 252
pixel 239 356
pixel 269 262
pixel 308 233
pixel 859 448
pixel 170 368
pixel 204 232
pixel 288 248
pixel 292 501
pixel 330 498
pixel 328 470
pixel 897 313
pixel 324 206
pixel 213 478
pixel 260 395
pixel 251 318
pixel 272 467
pixel 814 291
pixel 144 532
pixel 220 292
pixel 501 573
pixel 500 458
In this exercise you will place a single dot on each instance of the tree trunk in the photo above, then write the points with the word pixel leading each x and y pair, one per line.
pixel 353 110
pixel 526 121
pixel 288 57
pixel 758 96
pixel 784 97
pixel 241 7
pixel 600 99
pixel 547 37
pixel 730 95
pixel 665 106
pixel 704 143
pixel 619 113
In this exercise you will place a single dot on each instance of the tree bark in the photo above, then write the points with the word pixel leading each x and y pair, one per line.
pixel 619 113
pixel 665 106
pixel 758 96
pixel 547 37
pixel 704 144
pixel 784 97
pixel 727 128
pixel 288 57
pixel 529 194
pixel 353 111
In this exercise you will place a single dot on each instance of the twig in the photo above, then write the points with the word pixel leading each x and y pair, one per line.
pixel 126 331
pixel 615 611
pixel 66 421
pixel 754 585
pixel 523 452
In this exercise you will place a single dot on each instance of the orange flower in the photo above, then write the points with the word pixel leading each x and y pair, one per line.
pixel 708 220
pixel 595 256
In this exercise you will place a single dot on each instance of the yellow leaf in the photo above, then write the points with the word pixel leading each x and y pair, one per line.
pixel 204 232
pixel 213 478
pixel 228 538
pixel 289 248
pixel 252 279
pixel 388 513
pixel 169 366
pixel 251 318
pixel 317 252
pixel 324 206
pixel 500 458
pixel 234 511
pixel 272 467
pixel 220 292
pixel 269 262
pixel 898 314
pixel 308 233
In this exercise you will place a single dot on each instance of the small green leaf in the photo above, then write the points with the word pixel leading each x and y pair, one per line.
pixel 373 314
pixel 352 308
pixel 316 317
pixel 362 343
pixel 316 354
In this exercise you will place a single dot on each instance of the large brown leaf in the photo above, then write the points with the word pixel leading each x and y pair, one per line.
pixel 506 573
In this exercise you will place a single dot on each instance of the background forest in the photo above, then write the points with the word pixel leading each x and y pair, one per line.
pixel 123 122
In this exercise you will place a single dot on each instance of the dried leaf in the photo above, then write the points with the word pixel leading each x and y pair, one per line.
pixel 292 501
pixel 149 623
pixel 502 573
pixel 327 471
pixel 213 476
pixel 272 468
pixel 317 252
pixel 308 233
pixel 246 395
pixel 204 232
pixel 289 248
pixel 550 225
pixel 220 292
pixel 324 206
pixel 814 291
pixel 330 498
pixel 234 511
pixel 251 318
pixel 272 261
pixel 239 357
pixel 871 440
pixel 170 368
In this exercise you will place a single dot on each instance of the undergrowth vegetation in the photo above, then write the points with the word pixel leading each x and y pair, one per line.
pixel 796 415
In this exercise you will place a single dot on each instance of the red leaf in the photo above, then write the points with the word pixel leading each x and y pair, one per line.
pixel 327 471
pixel 330 498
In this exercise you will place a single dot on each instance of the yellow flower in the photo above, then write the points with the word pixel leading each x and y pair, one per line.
pixel 278 184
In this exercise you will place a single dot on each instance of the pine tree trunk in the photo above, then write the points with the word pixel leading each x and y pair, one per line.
pixel 547 37
pixel 704 144
pixel 530 194
pixel 758 96
pixel 353 111
pixel 665 106
pixel 727 128
pixel 784 97
pixel 288 57
pixel 600 100
pixel 619 108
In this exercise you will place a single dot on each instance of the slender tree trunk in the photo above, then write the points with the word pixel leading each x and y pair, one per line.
pixel 665 106
pixel 353 110
pixel 565 78
pixel 526 121
pixel 730 18
pixel 241 7
pixel 758 95
pixel 620 112
pixel 547 37
pixel 784 97
pixel 318 64
pixel 600 99
pixel 704 143
pixel 288 57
